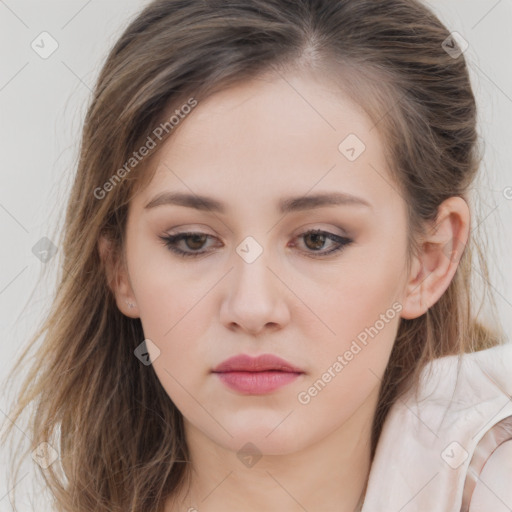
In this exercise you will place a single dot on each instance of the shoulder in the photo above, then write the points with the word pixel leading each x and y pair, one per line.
pixel 474 376
pixel 493 491
pixel 434 435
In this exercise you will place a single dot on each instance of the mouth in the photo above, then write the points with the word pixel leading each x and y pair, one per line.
pixel 256 375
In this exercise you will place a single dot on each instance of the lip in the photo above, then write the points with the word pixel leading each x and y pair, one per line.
pixel 264 362
pixel 256 375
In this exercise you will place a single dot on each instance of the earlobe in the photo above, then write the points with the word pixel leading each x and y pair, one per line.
pixel 117 278
pixel 441 250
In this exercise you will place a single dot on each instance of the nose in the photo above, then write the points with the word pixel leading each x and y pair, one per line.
pixel 255 297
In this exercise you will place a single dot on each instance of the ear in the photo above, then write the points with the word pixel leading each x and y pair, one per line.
pixel 117 277
pixel 441 250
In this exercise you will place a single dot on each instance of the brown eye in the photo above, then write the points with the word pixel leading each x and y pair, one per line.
pixel 195 242
pixel 317 240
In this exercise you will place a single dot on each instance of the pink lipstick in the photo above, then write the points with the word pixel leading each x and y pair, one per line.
pixel 256 375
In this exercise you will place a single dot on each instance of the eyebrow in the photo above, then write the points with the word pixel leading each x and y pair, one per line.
pixel 285 205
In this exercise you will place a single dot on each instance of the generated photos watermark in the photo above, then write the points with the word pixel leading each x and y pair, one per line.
pixel 305 397
pixel 158 133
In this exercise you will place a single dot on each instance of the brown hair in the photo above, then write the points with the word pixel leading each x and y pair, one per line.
pixel 119 436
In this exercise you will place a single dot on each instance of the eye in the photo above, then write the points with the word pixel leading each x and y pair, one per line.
pixel 193 241
pixel 314 240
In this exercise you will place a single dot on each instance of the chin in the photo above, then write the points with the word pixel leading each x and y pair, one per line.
pixel 271 435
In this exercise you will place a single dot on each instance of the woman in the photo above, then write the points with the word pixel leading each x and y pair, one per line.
pixel 268 254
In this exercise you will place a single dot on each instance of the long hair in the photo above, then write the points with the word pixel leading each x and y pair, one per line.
pixel 119 437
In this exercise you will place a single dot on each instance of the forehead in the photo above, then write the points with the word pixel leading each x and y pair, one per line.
pixel 274 136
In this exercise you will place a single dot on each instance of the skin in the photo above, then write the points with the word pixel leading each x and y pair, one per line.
pixel 249 146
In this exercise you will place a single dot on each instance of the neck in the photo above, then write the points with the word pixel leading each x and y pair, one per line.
pixel 330 474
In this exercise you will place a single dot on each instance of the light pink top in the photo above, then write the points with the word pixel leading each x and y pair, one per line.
pixel 432 450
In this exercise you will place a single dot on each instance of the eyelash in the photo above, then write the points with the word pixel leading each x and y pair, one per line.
pixel 170 242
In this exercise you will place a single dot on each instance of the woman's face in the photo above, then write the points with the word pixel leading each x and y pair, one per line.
pixel 255 279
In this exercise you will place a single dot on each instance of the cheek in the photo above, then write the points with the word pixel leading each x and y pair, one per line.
pixel 174 316
pixel 165 296
pixel 174 319
pixel 355 293
pixel 374 275
pixel 360 315
pixel 364 316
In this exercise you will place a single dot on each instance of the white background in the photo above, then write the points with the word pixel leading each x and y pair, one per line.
pixel 42 104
